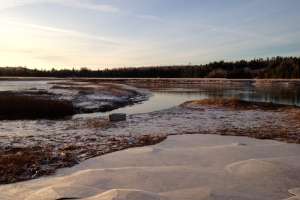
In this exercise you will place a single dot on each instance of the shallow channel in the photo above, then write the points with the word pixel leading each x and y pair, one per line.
pixel 164 96
pixel 170 95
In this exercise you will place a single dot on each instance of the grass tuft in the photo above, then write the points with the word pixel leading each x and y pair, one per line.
pixel 97 123
pixel 19 164
pixel 14 106
pixel 237 104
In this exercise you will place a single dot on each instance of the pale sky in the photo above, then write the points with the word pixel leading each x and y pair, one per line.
pixel 99 34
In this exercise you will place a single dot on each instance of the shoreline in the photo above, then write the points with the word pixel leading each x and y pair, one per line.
pixel 162 80
pixel 195 81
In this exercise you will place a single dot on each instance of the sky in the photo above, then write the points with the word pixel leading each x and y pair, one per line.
pixel 101 34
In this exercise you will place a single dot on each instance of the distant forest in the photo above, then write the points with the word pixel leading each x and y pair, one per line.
pixel 275 67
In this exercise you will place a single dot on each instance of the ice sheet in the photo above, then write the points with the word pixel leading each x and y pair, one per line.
pixel 181 167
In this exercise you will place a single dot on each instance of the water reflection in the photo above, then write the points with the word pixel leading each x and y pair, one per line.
pixel 23 85
pixel 169 95
pixel 279 93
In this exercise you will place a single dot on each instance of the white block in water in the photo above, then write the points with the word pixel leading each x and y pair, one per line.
pixel 117 117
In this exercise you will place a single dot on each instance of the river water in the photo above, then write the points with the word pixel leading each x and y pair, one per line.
pixel 163 96
pixel 169 95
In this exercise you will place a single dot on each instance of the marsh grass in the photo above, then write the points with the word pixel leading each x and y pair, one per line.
pixel 108 88
pixel 73 88
pixel 39 92
pixel 96 123
pixel 109 85
pixel 238 104
pixel 294 115
pixel 19 164
pixel 289 134
pixel 114 92
pixel 15 106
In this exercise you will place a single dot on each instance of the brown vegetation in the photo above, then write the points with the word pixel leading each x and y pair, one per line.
pixel 108 88
pixel 96 123
pixel 79 89
pixel 109 85
pixel 38 93
pixel 238 104
pixel 20 164
pixel 288 133
pixel 16 106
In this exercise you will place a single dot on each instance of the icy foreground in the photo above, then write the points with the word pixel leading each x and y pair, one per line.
pixel 41 147
pixel 181 167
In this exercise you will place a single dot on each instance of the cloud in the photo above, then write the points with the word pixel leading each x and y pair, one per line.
pixel 104 8
pixel 74 3
pixel 149 17
pixel 52 58
pixel 111 41
pixel 16 3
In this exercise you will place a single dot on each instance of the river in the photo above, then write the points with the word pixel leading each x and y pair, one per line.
pixel 164 96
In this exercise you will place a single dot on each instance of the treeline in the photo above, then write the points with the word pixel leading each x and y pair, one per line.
pixel 275 67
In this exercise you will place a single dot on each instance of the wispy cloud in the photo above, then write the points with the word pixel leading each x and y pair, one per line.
pixel 74 3
pixel 149 17
pixel 13 3
pixel 112 41
pixel 98 7
pixel 233 32
pixel 77 4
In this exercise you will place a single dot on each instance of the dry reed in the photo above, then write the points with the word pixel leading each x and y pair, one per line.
pixel 238 104
pixel 15 106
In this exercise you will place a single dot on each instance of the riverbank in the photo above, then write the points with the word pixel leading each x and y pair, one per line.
pixel 162 80
pixel 73 141
pixel 193 81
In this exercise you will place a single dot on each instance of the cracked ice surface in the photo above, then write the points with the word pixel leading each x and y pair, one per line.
pixel 181 167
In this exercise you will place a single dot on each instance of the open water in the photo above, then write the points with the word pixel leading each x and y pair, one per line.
pixel 164 96
pixel 168 95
